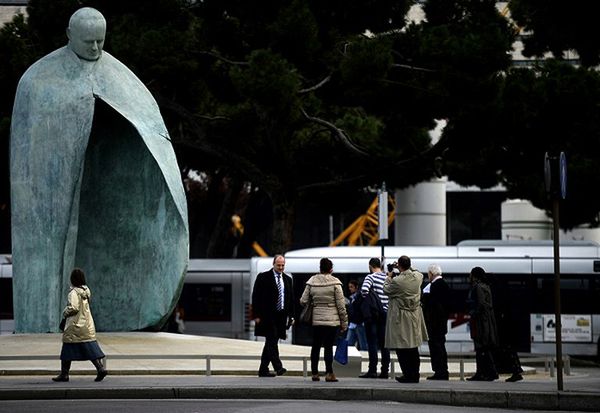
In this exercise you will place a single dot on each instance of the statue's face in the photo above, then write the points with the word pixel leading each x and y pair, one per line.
pixel 86 38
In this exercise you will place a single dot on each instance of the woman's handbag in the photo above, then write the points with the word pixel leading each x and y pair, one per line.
pixel 62 324
pixel 341 350
pixel 306 313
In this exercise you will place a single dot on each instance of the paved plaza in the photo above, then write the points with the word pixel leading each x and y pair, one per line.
pixel 163 365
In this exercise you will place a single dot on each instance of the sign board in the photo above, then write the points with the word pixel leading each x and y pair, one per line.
pixel 555 175
pixel 576 328
pixel 382 199
pixel 563 175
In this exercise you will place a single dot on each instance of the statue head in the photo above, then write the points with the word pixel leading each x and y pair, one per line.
pixel 86 33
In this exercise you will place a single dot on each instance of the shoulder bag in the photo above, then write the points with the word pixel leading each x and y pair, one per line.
pixel 306 313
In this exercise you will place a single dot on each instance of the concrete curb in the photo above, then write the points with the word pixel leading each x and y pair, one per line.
pixel 565 401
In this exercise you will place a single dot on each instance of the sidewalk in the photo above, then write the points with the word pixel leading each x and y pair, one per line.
pixel 231 379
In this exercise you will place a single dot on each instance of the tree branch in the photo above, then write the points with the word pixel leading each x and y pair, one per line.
pixel 224 59
pixel 341 135
pixel 422 69
pixel 434 152
pixel 230 158
pixel 211 118
pixel 315 87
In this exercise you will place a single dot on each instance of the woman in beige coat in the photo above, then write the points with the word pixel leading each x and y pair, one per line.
pixel 79 336
pixel 324 292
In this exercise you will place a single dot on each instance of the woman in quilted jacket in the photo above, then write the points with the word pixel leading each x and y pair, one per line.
pixel 324 292
pixel 79 335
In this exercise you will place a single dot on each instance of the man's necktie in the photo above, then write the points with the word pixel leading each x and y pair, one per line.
pixel 280 289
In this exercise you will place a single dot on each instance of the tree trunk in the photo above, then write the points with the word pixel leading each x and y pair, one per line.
pixel 284 215
pixel 222 239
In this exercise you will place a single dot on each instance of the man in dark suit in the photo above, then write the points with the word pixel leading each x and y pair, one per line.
pixel 436 297
pixel 273 309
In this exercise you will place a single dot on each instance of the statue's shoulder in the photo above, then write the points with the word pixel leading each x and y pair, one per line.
pixel 118 85
pixel 113 68
pixel 56 63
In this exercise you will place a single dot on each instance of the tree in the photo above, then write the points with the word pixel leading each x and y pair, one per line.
pixel 551 108
pixel 548 107
pixel 298 99
pixel 557 27
pixel 304 98
pixel 276 72
pixel 365 80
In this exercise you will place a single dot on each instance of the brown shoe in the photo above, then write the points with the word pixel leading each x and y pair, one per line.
pixel 315 377
pixel 330 377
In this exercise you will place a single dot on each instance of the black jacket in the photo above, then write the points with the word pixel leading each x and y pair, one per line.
pixel 264 303
pixel 435 309
pixel 354 309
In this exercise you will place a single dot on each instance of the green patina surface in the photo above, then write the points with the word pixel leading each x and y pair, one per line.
pixel 94 184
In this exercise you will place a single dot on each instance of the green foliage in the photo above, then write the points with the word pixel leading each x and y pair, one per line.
pixel 551 108
pixel 285 94
pixel 557 26
pixel 295 35
pixel 366 62
pixel 269 81
pixel 554 110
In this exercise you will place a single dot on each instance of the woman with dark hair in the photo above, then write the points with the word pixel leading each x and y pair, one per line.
pixel 483 325
pixel 324 292
pixel 79 336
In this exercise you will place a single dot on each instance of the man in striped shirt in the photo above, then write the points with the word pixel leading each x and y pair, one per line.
pixel 375 326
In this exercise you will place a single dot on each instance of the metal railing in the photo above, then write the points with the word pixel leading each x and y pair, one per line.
pixel 549 360
pixel 206 357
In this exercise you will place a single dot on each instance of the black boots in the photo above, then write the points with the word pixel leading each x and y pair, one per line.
pixel 65 366
pixel 100 368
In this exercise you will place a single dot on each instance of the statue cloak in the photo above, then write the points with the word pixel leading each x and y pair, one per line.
pixel 94 184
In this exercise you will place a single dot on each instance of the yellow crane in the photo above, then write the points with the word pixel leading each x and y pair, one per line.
pixel 364 230
pixel 237 229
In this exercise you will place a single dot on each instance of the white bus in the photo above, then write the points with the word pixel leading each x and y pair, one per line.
pixel 217 293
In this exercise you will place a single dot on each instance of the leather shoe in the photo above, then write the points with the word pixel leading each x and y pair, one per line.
pixel 480 378
pixel 405 379
pixel 438 377
pixel 330 377
pixel 315 377
pixel 265 374
pixel 383 376
pixel 281 371
pixel 514 377
pixel 368 376
pixel 61 377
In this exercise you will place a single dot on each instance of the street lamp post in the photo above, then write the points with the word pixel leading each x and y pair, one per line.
pixel 382 212
pixel 555 172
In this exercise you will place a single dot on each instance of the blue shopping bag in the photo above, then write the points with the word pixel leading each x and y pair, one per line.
pixel 341 350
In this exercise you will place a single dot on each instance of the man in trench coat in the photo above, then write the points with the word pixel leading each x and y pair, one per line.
pixel 405 330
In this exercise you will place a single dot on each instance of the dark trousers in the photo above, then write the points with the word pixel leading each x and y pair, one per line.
pixel 439 357
pixel 323 336
pixel 514 361
pixel 484 361
pixel 409 361
pixel 507 360
pixel 375 341
pixel 270 353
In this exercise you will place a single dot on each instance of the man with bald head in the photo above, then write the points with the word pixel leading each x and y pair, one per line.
pixel 95 185
pixel 435 300
pixel 86 33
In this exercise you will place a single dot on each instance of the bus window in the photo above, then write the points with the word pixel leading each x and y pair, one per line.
pixel 6 299
pixel 206 302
